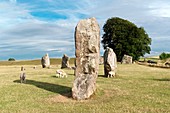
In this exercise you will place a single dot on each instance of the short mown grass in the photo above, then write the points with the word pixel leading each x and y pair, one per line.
pixel 136 89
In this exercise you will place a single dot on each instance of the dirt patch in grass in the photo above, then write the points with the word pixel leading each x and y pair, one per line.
pixel 59 98
pixel 67 97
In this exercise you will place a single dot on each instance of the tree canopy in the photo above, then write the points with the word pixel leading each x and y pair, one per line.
pixel 11 59
pixel 164 56
pixel 124 37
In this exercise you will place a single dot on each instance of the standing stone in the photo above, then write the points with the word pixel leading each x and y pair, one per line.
pixel 87 44
pixel 101 60
pixel 45 61
pixel 167 62
pixel 127 59
pixel 110 61
pixel 65 61
pixel 22 68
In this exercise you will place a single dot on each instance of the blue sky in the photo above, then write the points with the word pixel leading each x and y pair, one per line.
pixel 31 28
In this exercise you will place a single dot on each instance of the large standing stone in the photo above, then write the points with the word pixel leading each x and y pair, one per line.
pixel 127 59
pixel 87 44
pixel 65 61
pixel 110 61
pixel 45 61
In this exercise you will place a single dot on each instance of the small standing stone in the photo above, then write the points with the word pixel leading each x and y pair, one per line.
pixel 45 61
pixel 110 62
pixel 23 77
pixel 101 60
pixel 65 61
pixel 127 59
pixel 22 68
pixel 167 62
pixel 87 44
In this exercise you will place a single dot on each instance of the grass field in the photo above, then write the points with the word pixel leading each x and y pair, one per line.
pixel 136 89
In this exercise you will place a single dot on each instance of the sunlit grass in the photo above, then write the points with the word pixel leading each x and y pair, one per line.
pixel 136 89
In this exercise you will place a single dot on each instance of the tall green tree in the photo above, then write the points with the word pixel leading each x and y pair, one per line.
pixel 124 37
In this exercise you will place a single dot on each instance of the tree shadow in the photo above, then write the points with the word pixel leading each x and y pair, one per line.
pixel 163 79
pixel 56 88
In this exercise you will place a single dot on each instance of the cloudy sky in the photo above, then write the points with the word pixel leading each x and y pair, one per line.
pixel 31 28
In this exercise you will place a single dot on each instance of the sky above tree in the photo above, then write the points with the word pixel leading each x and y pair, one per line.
pixel 31 28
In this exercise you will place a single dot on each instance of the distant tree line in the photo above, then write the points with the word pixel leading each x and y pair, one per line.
pixel 164 56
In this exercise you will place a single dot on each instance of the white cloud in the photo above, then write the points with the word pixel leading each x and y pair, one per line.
pixel 160 9
pixel 19 29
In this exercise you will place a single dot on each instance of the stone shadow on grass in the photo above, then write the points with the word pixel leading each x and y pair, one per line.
pixel 162 79
pixel 56 88
pixel 54 76
pixel 102 76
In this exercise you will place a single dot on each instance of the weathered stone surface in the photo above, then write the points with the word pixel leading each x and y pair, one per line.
pixel 110 62
pixel 23 77
pixel 45 61
pixel 87 44
pixel 167 62
pixel 127 59
pixel 65 61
